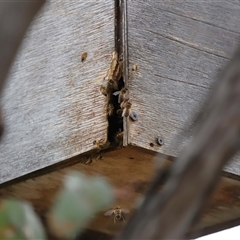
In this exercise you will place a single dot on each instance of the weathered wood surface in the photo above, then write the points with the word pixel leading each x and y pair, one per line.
pixel 52 107
pixel 180 47
pixel 15 19
pixel 131 168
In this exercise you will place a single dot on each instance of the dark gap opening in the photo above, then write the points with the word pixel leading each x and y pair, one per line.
pixel 115 121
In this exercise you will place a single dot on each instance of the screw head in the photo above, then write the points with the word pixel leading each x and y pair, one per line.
pixel 160 141
pixel 133 116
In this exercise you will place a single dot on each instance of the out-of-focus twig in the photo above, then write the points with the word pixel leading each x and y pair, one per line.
pixel 15 17
pixel 169 214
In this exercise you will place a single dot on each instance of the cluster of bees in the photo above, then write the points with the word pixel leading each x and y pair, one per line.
pixel 124 103
pixel 111 87
pixel 119 104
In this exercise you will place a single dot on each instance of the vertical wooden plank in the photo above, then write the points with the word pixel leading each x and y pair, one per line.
pixel 180 48
pixel 52 106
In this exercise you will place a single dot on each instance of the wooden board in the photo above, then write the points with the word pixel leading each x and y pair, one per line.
pixel 52 106
pixel 131 168
pixel 180 48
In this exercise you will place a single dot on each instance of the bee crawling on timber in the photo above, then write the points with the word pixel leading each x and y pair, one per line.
pixel 107 87
pixel 135 68
pixel 101 145
pixel 127 110
pixel 124 102
pixel 83 56
pixel 123 94
pixel 118 138
pixel 110 109
pixel 119 111
pixel 114 84
pixel 118 213
pixel 116 67
pixel 103 90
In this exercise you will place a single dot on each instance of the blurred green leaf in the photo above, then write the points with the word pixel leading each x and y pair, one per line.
pixel 19 221
pixel 80 199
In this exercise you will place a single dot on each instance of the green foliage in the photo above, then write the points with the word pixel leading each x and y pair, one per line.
pixel 80 199
pixel 19 221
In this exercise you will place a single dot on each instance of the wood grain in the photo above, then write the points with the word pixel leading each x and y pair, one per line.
pixel 132 168
pixel 52 107
pixel 180 50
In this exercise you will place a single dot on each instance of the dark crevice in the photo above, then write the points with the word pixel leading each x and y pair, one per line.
pixel 115 121
pixel 119 26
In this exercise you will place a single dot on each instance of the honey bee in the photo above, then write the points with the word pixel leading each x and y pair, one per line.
pixel 108 86
pixel 101 145
pixel 127 110
pixel 114 84
pixel 123 94
pixel 83 56
pixel 118 213
pixel 119 138
pixel 103 90
pixel 135 68
pixel 116 67
pixel 119 111
pixel 110 109
pixel 123 104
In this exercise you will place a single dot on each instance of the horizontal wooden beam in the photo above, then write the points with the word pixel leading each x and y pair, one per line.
pixel 132 168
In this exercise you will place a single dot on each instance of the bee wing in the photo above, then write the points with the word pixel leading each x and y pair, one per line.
pixel 116 93
pixel 124 112
pixel 109 212
pixel 125 210
pixel 126 96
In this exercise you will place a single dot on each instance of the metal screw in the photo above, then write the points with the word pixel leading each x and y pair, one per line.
pixel 133 116
pixel 160 141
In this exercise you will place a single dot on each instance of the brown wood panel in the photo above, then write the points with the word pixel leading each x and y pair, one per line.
pixel 179 56
pixel 52 107
pixel 133 168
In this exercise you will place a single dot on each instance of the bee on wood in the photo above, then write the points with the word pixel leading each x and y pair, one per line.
pixel 116 67
pixel 110 109
pixel 123 94
pixel 135 68
pixel 127 110
pixel 107 87
pixel 104 90
pixel 118 138
pixel 83 56
pixel 119 111
pixel 118 213
pixel 123 104
pixel 101 145
pixel 114 84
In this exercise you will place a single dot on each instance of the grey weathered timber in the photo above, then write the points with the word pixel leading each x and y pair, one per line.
pixel 180 48
pixel 52 106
